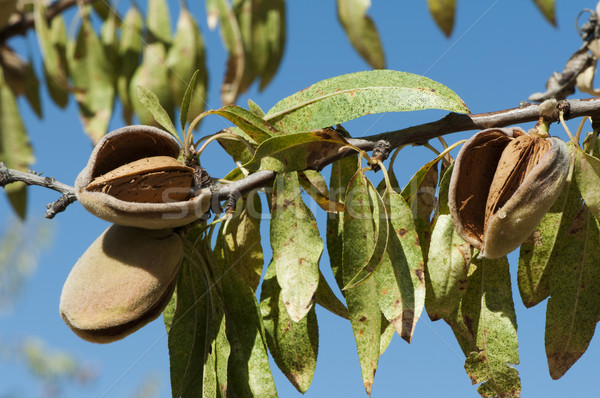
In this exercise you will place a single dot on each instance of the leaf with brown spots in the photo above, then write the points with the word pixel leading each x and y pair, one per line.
pixel 489 315
pixel 540 253
pixel 313 183
pixel 573 309
pixel 296 244
pixel 399 279
pixel 359 239
pixel 298 151
pixel 294 345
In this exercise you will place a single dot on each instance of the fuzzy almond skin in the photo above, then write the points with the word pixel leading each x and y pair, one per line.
pixel 515 221
pixel 123 281
pixel 472 176
pixel 123 146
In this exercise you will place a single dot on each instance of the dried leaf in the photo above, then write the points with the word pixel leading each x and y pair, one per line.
pixel 293 344
pixel 347 97
pixel 296 244
pixel 443 12
pixel 361 31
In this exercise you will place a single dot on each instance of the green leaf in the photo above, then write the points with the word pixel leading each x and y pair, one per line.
pixel 293 344
pixel 57 88
pixel 380 222
pixel 32 89
pixel 587 175
pixel 296 244
pixel 130 51
pixel 185 102
pixel 110 40
pixel 541 252
pixel 248 371
pixel 236 149
pixel 239 243
pixel 359 239
pixel 347 97
pixel 443 12
pixel 254 108
pixel 313 183
pixel 15 149
pixel 341 172
pixel 400 277
pixel 488 312
pixel 547 9
pixel 361 31
pixel 295 152
pixel 572 310
pixel 152 104
pixel 387 333
pixel 93 80
pixel 325 297
pixel 158 21
pixel 253 125
pixel 273 37
pixel 447 267
pixel 187 328
pixel 230 32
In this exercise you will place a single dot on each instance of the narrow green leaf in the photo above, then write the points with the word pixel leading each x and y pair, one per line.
pixel 573 309
pixel 400 278
pixel 251 124
pixel 32 89
pixel 15 149
pixel 347 97
pixel 361 31
pixel 359 241
pixel 489 315
pixel 387 333
pixel 443 12
pixel 254 108
pixel 230 32
pixel 93 80
pixel 158 21
pixel 273 35
pixel 110 40
pixel 239 245
pixel 186 325
pixel 547 9
pixel 381 226
pixel 130 51
pixel 341 173
pixel 248 371
pixel 236 149
pixel 293 344
pixel 298 151
pixel 541 252
pixel 152 104
pixel 296 244
pixel 313 184
pixel 447 267
pixel 587 175
pixel 185 103
pixel 327 299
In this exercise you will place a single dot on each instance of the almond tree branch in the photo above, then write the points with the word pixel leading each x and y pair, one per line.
pixel 416 135
pixel 26 22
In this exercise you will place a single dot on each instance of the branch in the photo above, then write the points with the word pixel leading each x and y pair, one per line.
pixel 416 135
pixel 8 176
pixel 26 21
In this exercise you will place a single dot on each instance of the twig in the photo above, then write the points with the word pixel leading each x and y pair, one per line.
pixel 8 176
pixel 416 135
pixel 26 21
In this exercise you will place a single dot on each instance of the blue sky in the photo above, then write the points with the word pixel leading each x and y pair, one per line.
pixel 501 52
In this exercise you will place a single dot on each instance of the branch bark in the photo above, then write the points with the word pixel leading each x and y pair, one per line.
pixel 26 21
pixel 415 135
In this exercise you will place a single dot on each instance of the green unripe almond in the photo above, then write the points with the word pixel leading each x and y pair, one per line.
pixel 123 281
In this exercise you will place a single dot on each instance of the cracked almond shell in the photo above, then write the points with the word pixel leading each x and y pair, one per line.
pixel 123 281
pixel 503 183
pixel 121 151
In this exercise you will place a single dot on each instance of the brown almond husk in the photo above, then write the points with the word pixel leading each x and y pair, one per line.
pixel 150 210
pixel 503 182
pixel 123 281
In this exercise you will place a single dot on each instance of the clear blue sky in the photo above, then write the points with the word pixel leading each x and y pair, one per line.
pixel 501 51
